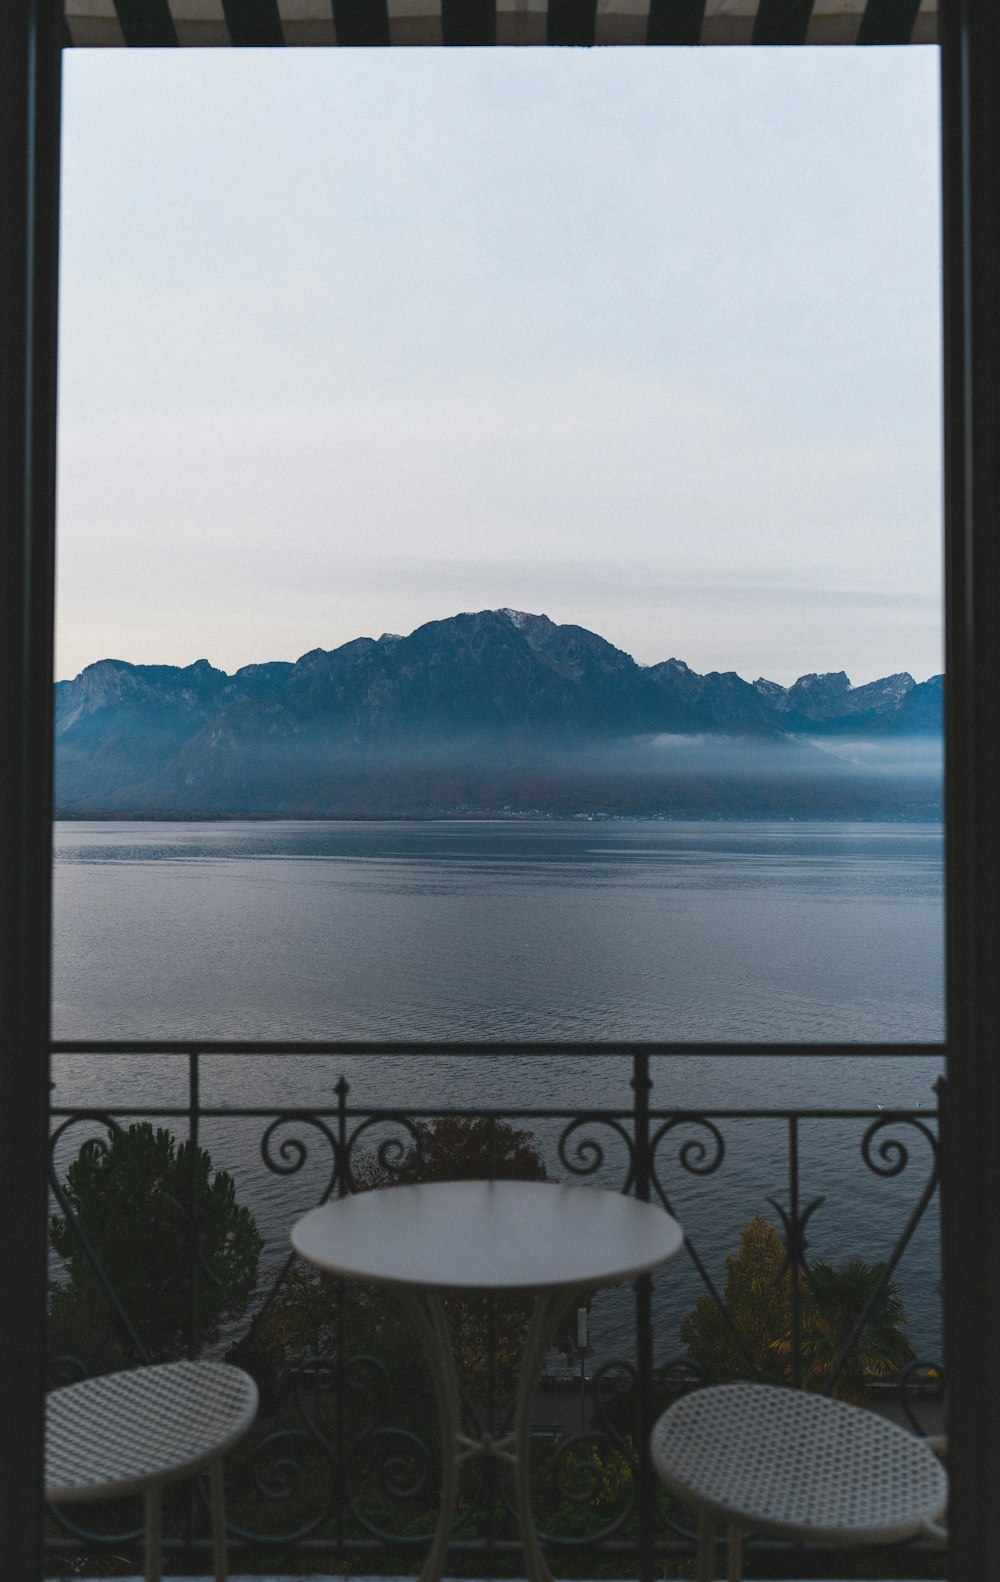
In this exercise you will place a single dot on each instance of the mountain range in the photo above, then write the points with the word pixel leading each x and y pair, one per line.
pixel 489 712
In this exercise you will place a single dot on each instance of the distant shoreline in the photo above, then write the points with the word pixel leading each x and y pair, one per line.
pixel 925 817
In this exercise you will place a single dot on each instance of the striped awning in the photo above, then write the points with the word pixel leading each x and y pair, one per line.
pixel 266 23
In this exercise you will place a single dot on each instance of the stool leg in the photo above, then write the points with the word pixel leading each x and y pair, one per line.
pixel 218 1520
pixel 706 1547
pixel 734 1544
pixel 154 1534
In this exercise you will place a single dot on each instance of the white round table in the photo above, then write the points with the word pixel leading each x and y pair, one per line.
pixel 132 1432
pixel 492 1237
pixel 765 1458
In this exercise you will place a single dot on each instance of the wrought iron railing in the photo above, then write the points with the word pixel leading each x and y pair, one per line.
pixel 341 1465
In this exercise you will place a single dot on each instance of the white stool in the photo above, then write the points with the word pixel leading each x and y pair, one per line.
pixel 132 1432
pixel 762 1458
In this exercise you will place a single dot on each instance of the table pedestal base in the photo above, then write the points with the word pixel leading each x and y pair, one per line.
pixel 425 1310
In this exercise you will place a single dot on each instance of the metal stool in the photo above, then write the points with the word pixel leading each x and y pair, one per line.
pixel 127 1433
pixel 766 1459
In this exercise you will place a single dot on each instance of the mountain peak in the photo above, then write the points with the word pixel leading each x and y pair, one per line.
pixel 519 618
pixel 828 681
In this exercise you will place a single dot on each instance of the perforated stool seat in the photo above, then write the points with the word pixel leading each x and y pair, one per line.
pixel 761 1458
pixel 130 1433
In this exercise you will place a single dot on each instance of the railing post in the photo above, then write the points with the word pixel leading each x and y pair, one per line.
pixel 193 1224
pixel 343 1184
pixel 193 1207
pixel 645 1477
pixel 343 1170
pixel 795 1252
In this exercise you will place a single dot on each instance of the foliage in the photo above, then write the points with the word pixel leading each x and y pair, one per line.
pixel 832 1303
pixel 302 1322
pixel 832 1300
pixel 133 1198
pixel 314 1317
pixel 459 1148
pixel 79 1338
pixel 756 1309
pixel 584 1484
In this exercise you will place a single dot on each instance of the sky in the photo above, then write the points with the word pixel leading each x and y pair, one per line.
pixel 644 340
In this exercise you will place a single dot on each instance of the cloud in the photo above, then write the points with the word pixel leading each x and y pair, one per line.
pixel 896 757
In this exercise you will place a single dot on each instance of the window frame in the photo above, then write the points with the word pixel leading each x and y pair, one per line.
pixel 29 225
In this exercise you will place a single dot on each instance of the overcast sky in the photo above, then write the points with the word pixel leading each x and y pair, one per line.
pixel 646 340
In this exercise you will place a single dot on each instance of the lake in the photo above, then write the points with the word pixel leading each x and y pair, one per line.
pixel 567 930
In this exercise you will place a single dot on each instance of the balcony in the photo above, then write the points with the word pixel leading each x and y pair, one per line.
pixel 339 1475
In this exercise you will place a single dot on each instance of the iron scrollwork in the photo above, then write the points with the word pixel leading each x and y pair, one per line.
pixel 584 1154
pixel 292 1153
pixel 393 1158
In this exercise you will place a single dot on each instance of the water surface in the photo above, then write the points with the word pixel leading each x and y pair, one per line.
pixel 571 931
